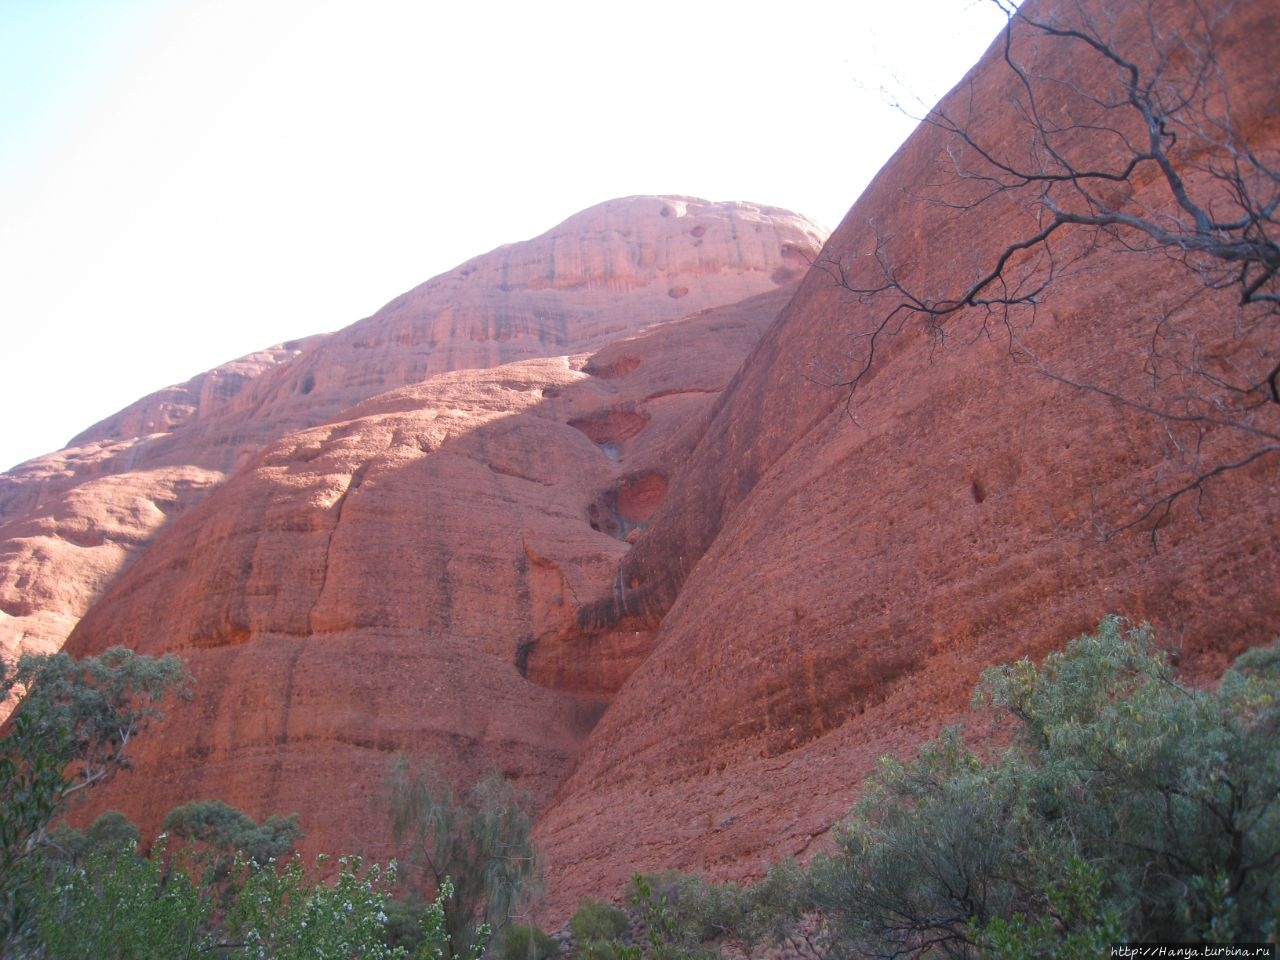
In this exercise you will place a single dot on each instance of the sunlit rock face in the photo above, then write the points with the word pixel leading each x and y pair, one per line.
pixel 71 521
pixel 826 580
pixel 57 556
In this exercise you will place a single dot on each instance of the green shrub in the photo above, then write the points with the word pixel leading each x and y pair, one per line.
pixel 687 916
pixel 409 924
pixel 675 929
pixel 110 830
pixel 595 920
pixel 527 942
pixel 608 950
pixel 122 905
pixel 1128 807
pixel 71 731
pixel 119 904
pixel 221 830
pixel 285 913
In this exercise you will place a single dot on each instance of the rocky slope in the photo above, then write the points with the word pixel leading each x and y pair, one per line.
pixel 71 521
pixel 410 578
pixel 366 552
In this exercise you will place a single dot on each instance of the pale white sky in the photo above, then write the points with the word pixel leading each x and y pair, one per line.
pixel 186 181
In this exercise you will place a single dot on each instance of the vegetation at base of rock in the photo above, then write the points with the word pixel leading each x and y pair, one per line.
pixel 214 888
pixel 121 904
pixel 523 941
pixel 110 830
pixel 744 917
pixel 116 903
pixel 416 926
pixel 1113 803
pixel 213 834
pixel 287 915
pixel 597 920
pixel 684 917
pixel 478 840
pixel 100 896
pixel 72 731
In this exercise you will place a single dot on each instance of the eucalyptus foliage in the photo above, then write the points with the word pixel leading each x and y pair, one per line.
pixel 281 913
pixel 1174 788
pixel 119 905
pixel 71 730
pixel 66 895
pixel 211 834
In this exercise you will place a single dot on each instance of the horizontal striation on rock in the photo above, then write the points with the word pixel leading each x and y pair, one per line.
pixel 54 562
pixel 605 274
pixel 825 581
pixel 412 578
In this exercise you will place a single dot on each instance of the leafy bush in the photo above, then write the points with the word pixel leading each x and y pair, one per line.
pixel 780 912
pixel 285 915
pixel 120 904
pixel 415 927
pixel 527 942
pixel 1076 923
pixel 668 905
pixel 69 895
pixel 71 731
pixel 1129 806
pixel 596 920
pixel 110 830
pixel 214 832
pixel 687 916
pixel 479 841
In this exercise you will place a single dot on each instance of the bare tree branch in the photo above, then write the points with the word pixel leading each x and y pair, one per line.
pixel 1126 141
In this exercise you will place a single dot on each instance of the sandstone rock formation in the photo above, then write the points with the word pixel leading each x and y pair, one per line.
pixel 72 520
pixel 541 514
pixel 409 578
pixel 56 559
pixel 385 567
pixel 606 273
pixel 825 591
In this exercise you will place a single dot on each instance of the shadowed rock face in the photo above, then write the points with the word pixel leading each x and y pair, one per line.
pixel 603 275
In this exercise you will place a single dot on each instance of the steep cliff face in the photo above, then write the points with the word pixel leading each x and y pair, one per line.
pixel 70 521
pixel 56 557
pixel 827 579
pixel 606 273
